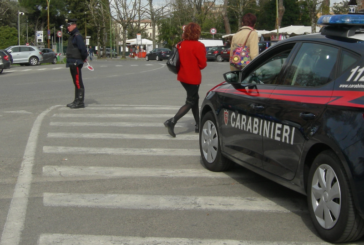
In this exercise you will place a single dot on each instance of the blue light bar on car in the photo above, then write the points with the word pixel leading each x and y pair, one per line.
pixel 341 19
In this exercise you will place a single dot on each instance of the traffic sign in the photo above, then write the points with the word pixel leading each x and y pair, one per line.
pixel 59 34
pixel 213 31
pixel 88 37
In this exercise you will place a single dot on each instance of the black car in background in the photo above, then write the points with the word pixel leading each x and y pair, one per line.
pixel 225 54
pixel 4 61
pixel 158 54
pixel 9 54
pixel 49 56
pixel 214 53
pixel 295 115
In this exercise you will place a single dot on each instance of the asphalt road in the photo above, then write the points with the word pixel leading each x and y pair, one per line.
pixel 111 174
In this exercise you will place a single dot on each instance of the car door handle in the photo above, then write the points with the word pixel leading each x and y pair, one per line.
pixel 307 116
pixel 257 107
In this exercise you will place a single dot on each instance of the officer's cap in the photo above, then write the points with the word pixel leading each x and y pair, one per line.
pixel 71 22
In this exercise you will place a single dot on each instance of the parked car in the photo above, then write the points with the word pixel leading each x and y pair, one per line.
pixel 9 54
pixel 23 54
pixel 49 56
pixel 263 45
pixel 295 116
pixel 158 54
pixel 108 53
pixel 4 61
pixel 225 54
pixel 214 53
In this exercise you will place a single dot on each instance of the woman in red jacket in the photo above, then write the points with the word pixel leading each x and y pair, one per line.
pixel 192 55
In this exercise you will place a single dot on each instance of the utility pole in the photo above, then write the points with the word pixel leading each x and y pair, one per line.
pixel 19 13
pixel 48 32
pixel 277 20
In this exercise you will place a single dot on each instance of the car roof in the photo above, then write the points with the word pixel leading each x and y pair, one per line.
pixel 353 43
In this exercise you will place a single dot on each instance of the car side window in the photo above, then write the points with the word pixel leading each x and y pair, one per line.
pixel 314 65
pixel 44 51
pixel 347 60
pixel 15 49
pixel 268 72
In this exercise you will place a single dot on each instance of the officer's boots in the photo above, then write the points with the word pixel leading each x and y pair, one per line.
pixel 79 99
pixel 74 101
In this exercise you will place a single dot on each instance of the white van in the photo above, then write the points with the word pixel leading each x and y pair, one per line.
pixel 211 42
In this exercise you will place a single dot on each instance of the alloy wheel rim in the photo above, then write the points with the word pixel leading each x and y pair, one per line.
pixel 209 141
pixel 34 61
pixel 326 196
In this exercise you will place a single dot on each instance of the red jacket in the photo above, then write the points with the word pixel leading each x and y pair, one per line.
pixel 192 56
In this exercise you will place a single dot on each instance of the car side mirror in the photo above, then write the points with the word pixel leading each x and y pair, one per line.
pixel 233 77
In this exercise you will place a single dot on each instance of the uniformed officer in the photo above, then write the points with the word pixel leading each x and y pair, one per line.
pixel 76 56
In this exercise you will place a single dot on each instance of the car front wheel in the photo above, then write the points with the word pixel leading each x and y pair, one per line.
pixel 210 145
pixel 33 61
pixel 330 201
pixel 157 58
pixel 147 58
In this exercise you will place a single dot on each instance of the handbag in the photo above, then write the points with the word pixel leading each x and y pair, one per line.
pixel 241 55
pixel 173 62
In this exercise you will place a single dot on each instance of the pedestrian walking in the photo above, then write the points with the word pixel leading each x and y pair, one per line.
pixel 248 36
pixel 192 54
pixel 76 56
pixel 90 52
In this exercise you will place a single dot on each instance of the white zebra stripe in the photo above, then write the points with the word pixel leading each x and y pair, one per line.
pixel 69 115
pixel 113 124
pixel 121 151
pixel 120 136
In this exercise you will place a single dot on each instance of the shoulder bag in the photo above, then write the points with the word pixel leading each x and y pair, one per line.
pixel 241 55
pixel 173 62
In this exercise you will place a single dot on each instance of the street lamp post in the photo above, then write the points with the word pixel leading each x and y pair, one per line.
pixel 48 32
pixel 19 13
pixel 27 29
pixel 62 40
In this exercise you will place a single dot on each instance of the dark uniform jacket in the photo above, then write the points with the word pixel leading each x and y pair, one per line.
pixel 76 49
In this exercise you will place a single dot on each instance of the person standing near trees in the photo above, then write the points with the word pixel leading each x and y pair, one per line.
pixel 76 56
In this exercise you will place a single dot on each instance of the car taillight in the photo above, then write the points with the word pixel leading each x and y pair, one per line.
pixel 163 52
pixel 216 52
pixel 228 51
pixel 40 53
pixel 6 57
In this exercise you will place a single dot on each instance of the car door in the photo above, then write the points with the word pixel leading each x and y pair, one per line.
pixel 297 104
pixel 26 53
pixel 45 55
pixel 15 52
pixel 152 54
pixel 246 106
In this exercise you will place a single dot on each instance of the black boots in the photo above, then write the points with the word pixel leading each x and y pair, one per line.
pixel 74 101
pixel 78 103
pixel 170 123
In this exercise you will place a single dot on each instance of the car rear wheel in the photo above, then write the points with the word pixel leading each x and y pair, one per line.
pixel 54 60
pixel 330 201
pixel 147 58
pixel 157 58
pixel 33 61
pixel 210 145
pixel 219 58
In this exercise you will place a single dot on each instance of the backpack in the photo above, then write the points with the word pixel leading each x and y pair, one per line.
pixel 241 55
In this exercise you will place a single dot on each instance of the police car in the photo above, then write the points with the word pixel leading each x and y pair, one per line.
pixel 295 115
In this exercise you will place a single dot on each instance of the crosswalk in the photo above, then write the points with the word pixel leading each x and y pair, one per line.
pixel 111 161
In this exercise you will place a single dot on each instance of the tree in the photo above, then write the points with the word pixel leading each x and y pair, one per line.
pixel 8 37
pixel 314 7
pixel 8 13
pixel 341 8
pixel 126 11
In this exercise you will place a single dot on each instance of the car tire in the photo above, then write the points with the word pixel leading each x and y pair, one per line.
pixel 54 60
pixel 1 71
pixel 147 58
pixel 210 148
pixel 219 58
pixel 330 201
pixel 33 61
pixel 157 58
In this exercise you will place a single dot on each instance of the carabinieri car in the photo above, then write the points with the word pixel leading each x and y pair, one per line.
pixel 295 115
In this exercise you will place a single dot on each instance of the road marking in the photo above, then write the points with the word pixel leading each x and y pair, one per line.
pixel 8 71
pixel 16 216
pixel 119 65
pixel 27 70
pixel 149 64
pixel 128 108
pixel 134 65
pixel 124 105
pixel 120 136
pixel 57 68
pixel 121 151
pixel 68 115
pixel 79 171
pixel 18 112
pixel 41 69
pixel 113 124
pixel 160 202
pixel 107 76
pixel 71 239
pixel 103 66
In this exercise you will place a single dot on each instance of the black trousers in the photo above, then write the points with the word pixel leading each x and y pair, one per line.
pixel 77 75
pixel 192 93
